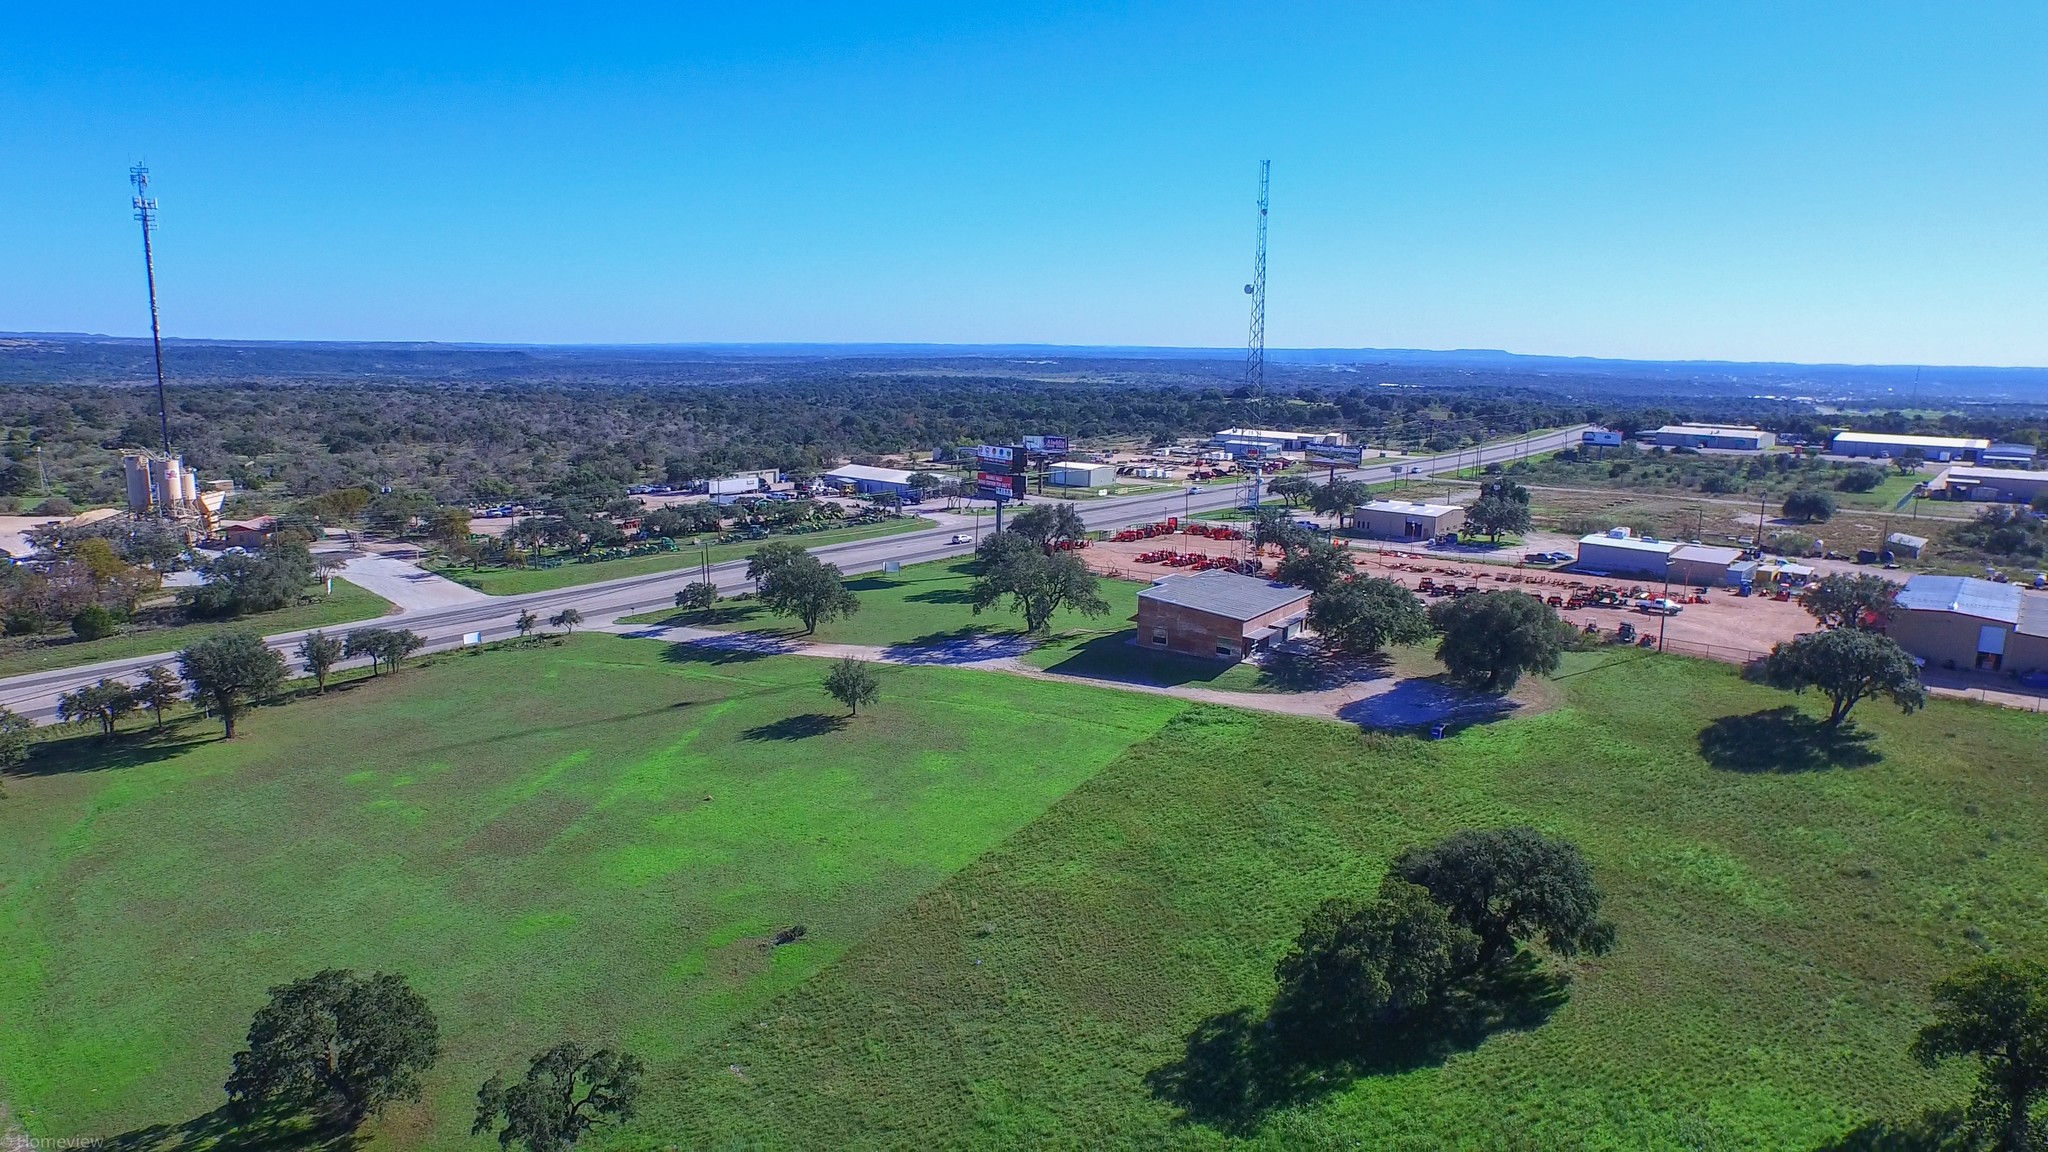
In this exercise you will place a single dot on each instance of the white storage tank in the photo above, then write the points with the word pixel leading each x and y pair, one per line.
pixel 191 492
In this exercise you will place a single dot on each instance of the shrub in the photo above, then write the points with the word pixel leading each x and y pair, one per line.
pixel 94 622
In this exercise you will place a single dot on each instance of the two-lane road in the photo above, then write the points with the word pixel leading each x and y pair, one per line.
pixel 35 694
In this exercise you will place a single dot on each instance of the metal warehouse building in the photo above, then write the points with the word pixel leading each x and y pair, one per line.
pixel 1237 440
pixel 1080 474
pixel 1731 438
pixel 1888 445
pixel 865 479
pixel 1964 622
pixel 1400 520
pixel 1966 483
pixel 1218 614
pixel 1620 552
pixel 1703 565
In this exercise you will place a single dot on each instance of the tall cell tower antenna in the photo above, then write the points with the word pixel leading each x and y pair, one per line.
pixel 145 211
pixel 1255 347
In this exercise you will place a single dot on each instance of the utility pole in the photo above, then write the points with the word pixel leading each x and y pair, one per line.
pixel 1255 346
pixel 42 473
pixel 145 211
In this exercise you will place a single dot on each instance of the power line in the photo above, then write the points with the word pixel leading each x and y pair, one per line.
pixel 1255 346
pixel 145 211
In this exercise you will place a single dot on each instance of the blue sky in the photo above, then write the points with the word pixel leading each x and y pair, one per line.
pixel 1860 182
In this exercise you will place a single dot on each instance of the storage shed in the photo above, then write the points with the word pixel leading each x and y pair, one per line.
pixel 1218 614
pixel 1902 544
pixel 1080 474
pixel 1401 520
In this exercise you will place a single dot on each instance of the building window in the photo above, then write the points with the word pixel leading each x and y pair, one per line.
pixel 1226 650
pixel 1159 636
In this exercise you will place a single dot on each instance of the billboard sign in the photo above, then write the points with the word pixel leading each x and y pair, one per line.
pixel 1002 485
pixel 994 453
pixel 1049 445
pixel 1335 454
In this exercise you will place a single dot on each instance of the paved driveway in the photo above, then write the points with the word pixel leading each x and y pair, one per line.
pixel 406 585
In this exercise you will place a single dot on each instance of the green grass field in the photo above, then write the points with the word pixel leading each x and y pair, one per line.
pixel 514 581
pixel 592 840
pixel 1023 898
pixel 922 604
pixel 1779 931
pixel 345 605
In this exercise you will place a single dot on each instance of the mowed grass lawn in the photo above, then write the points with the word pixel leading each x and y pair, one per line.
pixel 592 841
pixel 514 581
pixel 1779 932
pixel 345 605
pixel 923 604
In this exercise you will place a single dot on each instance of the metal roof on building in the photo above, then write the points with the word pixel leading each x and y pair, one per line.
pixel 1952 443
pixel 1224 594
pixel 1406 508
pixel 1708 430
pixel 1706 554
pixel 1631 543
pixel 1990 477
pixel 1963 595
pixel 869 473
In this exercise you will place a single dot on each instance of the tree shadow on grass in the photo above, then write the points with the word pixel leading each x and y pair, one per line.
pixel 1935 1130
pixel 1424 702
pixel 1783 740
pixel 968 645
pixel 735 648
pixel 1116 656
pixel 797 727
pixel 943 596
pixel 1236 1067
pixel 228 1129
pixel 1298 671
pixel 92 752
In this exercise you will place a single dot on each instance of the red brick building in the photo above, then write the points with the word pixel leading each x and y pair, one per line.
pixel 1218 614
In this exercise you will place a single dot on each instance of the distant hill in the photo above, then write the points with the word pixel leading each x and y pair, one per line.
pixel 37 357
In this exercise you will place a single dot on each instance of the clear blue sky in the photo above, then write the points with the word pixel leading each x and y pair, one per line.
pixel 1861 182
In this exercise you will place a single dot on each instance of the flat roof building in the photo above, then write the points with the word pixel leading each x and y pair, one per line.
pixel 2008 456
pixel 1620 552
pixel 1965 482
pixel 1964 622
pixel 1080 474
pixel 1725 437
pixel 1890 445
pixel 865 478
pixel 1218 614
pixel 1402 520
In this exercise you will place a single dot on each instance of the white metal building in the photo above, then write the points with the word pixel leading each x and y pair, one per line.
pixel 866 479
pixel 1889 445
pixel 1080 474
pixel 1727 437
pixel 1620 552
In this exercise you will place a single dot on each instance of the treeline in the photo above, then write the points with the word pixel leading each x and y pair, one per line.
pixel 463 443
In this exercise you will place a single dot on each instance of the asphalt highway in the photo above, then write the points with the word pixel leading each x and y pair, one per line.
pixel 35 694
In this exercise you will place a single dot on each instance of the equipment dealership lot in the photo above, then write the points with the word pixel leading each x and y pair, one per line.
pixel 1725 626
